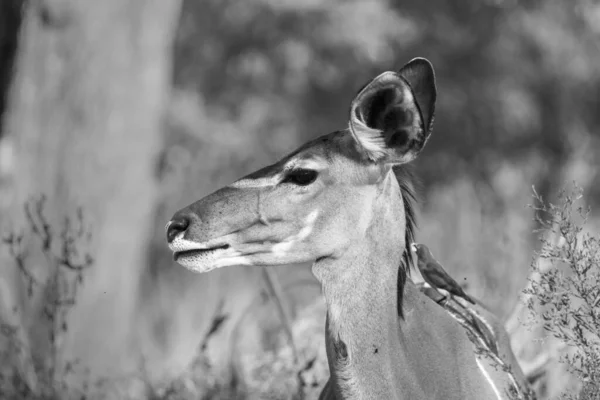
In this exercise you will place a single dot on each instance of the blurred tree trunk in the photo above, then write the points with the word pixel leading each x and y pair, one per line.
pixel 10 20
pixel 83 118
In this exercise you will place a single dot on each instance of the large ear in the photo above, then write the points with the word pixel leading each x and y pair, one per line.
pixel 391 117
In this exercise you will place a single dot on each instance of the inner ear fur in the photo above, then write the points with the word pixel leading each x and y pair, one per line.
pixel 391 117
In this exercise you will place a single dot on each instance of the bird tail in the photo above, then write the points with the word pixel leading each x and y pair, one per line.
pixel 468 298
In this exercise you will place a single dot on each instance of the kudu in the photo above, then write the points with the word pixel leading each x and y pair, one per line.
pixel 344 202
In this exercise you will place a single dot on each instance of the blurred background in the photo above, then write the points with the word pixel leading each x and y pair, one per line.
pixel 121 112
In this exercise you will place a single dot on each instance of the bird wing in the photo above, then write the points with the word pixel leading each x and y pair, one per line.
pixel 434 274
pixel 439 276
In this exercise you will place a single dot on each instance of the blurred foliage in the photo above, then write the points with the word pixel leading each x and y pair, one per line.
pixel 565 294
pixel 34 366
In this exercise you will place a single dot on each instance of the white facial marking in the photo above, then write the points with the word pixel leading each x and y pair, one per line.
pixel 181 244
pixel 235 258
pixel 261 217
pixel 256 183
pixel 280 249
pixel 307 164
pixel 489 379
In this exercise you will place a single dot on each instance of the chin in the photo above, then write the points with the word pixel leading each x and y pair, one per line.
pixel 198 261
pixel 201 261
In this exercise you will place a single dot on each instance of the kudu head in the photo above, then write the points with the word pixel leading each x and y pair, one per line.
pixel 320 200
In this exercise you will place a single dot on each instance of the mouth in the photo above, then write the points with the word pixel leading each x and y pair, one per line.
pixel 197 253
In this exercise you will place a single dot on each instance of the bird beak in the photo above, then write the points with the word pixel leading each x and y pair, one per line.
pixel 413 247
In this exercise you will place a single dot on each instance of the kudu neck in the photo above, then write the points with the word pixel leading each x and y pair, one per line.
pixel 361 287
pixel 361 283
pixel 363 330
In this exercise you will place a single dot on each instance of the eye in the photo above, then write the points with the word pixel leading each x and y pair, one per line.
pixel 302 177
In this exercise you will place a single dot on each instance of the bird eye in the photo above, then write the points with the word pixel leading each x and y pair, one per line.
pixel 301 177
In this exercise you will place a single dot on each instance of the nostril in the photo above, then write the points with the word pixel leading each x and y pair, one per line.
pixel 178 224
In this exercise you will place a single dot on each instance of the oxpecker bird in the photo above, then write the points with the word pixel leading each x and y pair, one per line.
pixel 434 274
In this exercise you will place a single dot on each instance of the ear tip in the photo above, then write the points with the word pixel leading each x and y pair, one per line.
pixel 423 67
pixel 420 74
pixel 421 60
